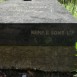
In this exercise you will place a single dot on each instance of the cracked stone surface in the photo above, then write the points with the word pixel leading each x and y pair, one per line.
pixel 36 11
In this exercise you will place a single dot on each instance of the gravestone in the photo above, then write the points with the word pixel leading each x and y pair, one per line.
pixel 47 58
pixel 34 11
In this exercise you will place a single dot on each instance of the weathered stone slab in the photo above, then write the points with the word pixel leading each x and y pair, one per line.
pixel 35 11
pixel 46 58
pixel 44 34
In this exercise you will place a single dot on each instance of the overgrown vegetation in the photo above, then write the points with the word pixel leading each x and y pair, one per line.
pixel 2 0
pixel 70 5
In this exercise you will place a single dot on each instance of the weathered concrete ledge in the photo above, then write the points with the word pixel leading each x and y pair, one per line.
pixel 46 11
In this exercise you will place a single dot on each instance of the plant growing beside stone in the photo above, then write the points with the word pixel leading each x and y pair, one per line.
pixel 70 5
pixel 2 0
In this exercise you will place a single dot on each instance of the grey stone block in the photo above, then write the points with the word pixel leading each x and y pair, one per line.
pixel 35 11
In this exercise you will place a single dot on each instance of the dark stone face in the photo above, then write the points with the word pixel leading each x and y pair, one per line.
pixel 38 34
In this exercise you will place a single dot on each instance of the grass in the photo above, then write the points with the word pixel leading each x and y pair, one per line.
pixel 2 0
pixel 70 6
